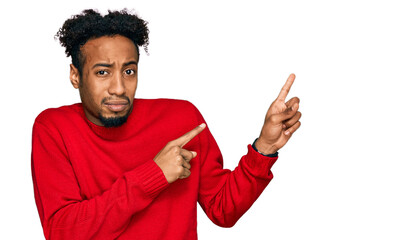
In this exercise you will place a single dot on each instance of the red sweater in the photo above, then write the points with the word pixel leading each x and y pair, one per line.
pixel 92 182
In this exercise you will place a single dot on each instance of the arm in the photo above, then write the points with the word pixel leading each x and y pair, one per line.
pixel 224 195
pixel 64 213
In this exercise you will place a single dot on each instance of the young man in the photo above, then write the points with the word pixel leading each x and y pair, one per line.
pixel 116 167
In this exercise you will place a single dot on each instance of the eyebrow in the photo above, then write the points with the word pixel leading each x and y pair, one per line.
pixel 102 65
pixel 130 62
pixel 110 65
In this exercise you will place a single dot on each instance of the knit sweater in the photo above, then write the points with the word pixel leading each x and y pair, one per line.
pixel 92 182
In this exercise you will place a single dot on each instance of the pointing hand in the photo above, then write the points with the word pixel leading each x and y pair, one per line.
pixel 173 159
pixel 281 121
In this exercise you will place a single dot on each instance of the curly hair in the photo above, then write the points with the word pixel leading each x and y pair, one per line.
pixel 90 24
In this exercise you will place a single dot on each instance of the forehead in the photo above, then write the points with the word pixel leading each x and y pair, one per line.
pixel 109 49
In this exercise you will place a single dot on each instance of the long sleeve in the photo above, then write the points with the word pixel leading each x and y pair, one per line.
pixel 65 213
pixel 226 195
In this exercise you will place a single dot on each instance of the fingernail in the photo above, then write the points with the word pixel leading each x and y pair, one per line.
pixel 202 125
pixel 283 126
pixel 194 153
pixel 287 132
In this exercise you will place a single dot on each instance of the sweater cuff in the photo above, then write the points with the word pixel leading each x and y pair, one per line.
pixel 266 155
pixel 151 177
pixel 258 163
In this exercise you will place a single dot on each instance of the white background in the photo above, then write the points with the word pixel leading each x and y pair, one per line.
pixel 348 173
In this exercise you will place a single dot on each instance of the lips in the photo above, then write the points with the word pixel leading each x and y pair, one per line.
pixel 116 106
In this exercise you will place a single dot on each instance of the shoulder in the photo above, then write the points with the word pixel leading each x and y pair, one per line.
pixel 169 111
pixel 60 115
pixel 164 103
pixel 165 106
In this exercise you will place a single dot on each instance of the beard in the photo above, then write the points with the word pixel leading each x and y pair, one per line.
pixel 113 121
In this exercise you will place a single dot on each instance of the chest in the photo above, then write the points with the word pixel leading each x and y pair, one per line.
pixel 98 163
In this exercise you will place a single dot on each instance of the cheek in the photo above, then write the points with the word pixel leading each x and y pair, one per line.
pixel 131 88
pixel 94 94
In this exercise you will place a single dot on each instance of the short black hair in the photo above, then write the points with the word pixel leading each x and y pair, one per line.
pixel 90 24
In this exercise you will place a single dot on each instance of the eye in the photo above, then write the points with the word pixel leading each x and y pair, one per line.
pixel 102 72
pixel 129 72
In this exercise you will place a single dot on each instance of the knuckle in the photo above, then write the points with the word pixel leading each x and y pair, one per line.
pixel 176 149
pixel 179 159
pixel 274 119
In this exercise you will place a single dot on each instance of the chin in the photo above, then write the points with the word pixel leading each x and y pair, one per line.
pixel 113 121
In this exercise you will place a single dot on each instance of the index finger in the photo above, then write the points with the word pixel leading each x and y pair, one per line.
pixel 286 88
pixel 181 141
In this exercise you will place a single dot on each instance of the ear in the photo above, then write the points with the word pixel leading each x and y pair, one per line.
pixel 74 77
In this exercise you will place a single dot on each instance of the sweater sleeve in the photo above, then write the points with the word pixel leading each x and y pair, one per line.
pixel 64 213
pixel 226 195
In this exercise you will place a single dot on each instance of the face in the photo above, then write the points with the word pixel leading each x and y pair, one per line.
pixel 109 79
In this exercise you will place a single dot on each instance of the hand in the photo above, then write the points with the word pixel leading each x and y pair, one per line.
pixel 281 121
pixel 174 160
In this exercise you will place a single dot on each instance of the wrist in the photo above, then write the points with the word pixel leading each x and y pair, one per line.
pixel 264 149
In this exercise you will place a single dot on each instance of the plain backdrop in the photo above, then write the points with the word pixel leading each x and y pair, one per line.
pixel 348 173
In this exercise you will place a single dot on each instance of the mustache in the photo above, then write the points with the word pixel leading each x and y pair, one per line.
pixel 106 99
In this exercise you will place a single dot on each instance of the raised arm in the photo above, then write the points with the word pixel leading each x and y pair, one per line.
pixel 226 195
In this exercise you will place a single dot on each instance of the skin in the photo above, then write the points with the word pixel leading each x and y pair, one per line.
pixel 109 77
pixel 281 121
pixel 108 86
pixel 174 160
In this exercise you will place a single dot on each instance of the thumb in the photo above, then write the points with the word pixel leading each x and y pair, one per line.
pixel 288 113
pixel 291 111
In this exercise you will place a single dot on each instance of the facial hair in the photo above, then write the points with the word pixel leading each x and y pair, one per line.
pixel 117 121
pixel 113 121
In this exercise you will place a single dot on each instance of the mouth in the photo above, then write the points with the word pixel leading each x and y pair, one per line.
pixel 117 106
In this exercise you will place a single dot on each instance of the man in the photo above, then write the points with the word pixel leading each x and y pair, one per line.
pixel 116 167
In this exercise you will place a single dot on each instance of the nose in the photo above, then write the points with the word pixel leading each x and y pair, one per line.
pixel 117 86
